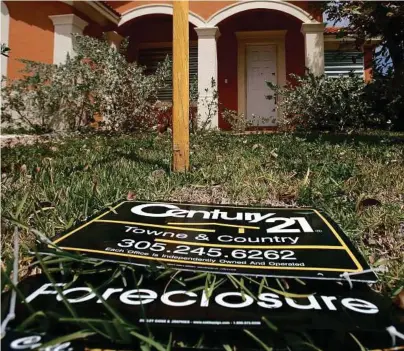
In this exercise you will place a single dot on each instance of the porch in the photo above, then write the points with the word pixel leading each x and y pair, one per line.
pixel 232 54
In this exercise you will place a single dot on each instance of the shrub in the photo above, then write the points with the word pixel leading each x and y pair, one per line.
pixel 386 96
pixel 49 97
pixel 97 81
pixel 238 122
pixel 209 103
pixel 323 103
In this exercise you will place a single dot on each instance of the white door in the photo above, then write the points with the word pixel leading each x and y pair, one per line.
pixel 261 67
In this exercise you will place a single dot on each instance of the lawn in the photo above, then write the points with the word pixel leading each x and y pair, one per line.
pixel 358 180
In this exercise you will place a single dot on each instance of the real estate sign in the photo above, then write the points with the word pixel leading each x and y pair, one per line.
pixel 277 242
pixel 188 308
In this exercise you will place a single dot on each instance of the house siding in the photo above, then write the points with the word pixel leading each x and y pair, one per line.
pixel 204 9
pixel 31 32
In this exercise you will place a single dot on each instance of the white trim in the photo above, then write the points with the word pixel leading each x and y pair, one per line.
pixel 69 19
pixel 205 32
pixel 154 10
pixel 208 114
pixel 313 28
pixel 314 47
pixel 282 6
pixel 64 27
pixel 5 27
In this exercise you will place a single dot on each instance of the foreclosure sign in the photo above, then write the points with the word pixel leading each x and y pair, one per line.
pixel 278 242
pixel 180 306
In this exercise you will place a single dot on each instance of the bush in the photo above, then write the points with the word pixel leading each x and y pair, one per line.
pixel 238 122
pixel 386 96
pixel 97 82
pixel 323 103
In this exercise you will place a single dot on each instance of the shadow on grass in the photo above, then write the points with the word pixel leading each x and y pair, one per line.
pixel 133 156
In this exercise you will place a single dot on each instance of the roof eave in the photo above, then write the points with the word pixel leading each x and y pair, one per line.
pixel 106 12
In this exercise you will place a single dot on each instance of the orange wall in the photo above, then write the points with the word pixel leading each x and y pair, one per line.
pixel 202 8
pixel 227 49
pixel 31 32
pixel 205 9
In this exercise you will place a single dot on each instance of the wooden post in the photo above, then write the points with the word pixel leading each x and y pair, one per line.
pixel 180 86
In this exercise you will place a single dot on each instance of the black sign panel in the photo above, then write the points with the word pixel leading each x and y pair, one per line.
pixel 166 306
pixel 278 242
pixel 33 341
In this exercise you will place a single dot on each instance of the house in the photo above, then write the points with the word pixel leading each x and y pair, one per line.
pixel 237 45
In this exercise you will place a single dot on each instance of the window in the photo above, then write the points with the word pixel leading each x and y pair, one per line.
pixel 150 57
pixel 339 63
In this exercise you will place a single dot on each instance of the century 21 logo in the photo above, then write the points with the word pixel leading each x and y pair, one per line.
pixel 161 210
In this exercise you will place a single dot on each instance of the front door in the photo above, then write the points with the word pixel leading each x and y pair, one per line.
pixel 261 67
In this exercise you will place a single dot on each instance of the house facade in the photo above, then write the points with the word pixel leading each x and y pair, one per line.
pixel 235 46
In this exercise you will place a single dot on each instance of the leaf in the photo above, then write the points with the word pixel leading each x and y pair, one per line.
pixel 270 324
pixel 32 318
pixel 280 292
pixel 362 348
pixel 21 205
pixel 23 169
pixel 263 345
pixel 74 336
pixel 149 341
pixel 131 195
pixel 306 178
pixel 399 298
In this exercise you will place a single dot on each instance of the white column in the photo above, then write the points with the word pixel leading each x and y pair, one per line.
pixel 5 23
pixel 114 39
pixel 207 70
pixel 314 46
pixel 65 26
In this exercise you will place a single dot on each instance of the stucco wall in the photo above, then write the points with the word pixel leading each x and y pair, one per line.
pixel 204 9
pixel 31 31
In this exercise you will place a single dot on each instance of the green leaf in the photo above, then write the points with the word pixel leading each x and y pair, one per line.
pixel 260 342
pixel 62 339
pixel 149 341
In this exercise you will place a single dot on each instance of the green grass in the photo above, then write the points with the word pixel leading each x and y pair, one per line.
pixel 46 187
pixel 49 186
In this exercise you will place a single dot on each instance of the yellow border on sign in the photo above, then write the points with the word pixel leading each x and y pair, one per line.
pixel 358 265
pixel 208 263
pixel 322 247
pixel 344 246
pixel 218 224
pixel 88 223
pixel 156 225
